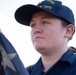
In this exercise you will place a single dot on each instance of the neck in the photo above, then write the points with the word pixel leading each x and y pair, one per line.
pixel 49 60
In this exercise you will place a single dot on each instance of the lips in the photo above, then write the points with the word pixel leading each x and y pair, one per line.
pixel 37 37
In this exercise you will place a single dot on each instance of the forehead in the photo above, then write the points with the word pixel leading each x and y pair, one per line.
pixel 43 14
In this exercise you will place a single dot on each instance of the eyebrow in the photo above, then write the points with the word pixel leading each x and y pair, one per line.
pixel 41 18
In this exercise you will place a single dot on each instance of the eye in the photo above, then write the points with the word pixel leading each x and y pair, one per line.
pixel 32 25
pixel 45 22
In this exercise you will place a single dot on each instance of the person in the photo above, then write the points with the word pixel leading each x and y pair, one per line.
pixel 52 26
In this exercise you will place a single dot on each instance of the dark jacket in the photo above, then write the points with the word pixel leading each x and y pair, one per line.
pixel 65 66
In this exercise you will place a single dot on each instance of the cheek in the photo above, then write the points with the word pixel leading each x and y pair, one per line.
pixel 58 36
pixel 53 34
pixel 49 33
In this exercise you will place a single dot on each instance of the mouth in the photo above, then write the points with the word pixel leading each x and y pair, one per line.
pixel 36 38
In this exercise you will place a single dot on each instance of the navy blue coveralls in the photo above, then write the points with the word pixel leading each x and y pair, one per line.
pixel 65 66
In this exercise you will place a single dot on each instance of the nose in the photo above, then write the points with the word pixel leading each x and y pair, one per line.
pixel 37 29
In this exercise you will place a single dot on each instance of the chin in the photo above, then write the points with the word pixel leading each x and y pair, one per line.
pixel 39 48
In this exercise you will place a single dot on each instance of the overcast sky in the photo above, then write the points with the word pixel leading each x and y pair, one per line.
pixel 18 34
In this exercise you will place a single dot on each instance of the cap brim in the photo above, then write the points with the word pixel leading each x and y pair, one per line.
pixel 23 14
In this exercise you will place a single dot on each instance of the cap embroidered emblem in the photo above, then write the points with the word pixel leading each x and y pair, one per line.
pixel 51 1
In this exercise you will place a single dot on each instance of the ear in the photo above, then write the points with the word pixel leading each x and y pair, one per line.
pixel 69 31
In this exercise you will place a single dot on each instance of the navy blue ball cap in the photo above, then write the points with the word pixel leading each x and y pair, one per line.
pixel 24 13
